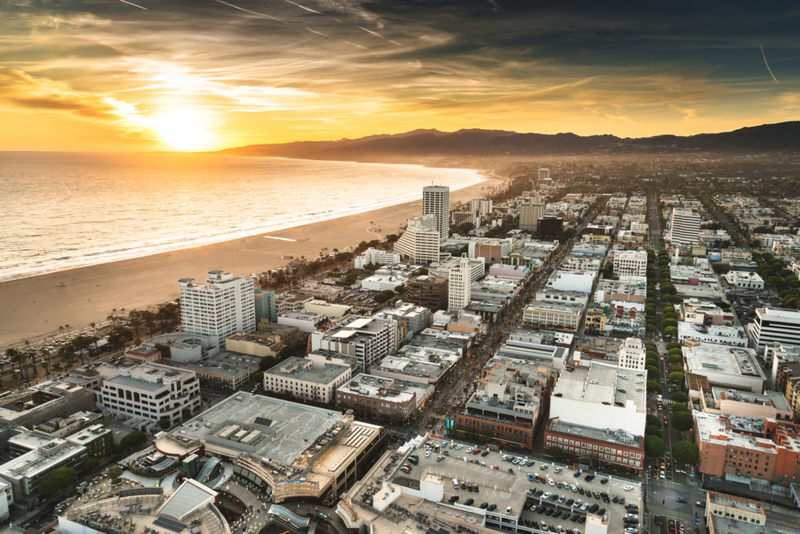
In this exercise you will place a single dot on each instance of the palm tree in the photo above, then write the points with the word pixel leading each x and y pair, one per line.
pixel 66 327
pixel 46 360
pixel 61 329
pixel 92 325
pixel 33 362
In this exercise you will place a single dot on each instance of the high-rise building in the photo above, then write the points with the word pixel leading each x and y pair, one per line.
pixel 222 306
pixel 481 207
pixel 420 243
pixel 530 213
pixel 632 354
pixel 630 263
pixel 460 286
pixel 436 201
pixel 265 305
pixel 544 174
pixel 685 227
pixel 775 326
pixel 367 339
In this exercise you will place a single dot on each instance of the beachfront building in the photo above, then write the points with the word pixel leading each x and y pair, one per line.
pixel 367 339
pixel 419 244
pixel 150 393
pixel 436 201
pixel 630 263
pixel 685 227
pixel 375 257
pixel 222 306
pixel 460 286
pixel 266 309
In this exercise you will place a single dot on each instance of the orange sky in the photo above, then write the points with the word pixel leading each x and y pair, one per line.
pixel 111 76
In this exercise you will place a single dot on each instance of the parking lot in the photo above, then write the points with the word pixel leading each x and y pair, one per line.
pixel 503 483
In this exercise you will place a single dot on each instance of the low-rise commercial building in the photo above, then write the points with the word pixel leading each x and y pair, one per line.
pixel 725 401
pixel 367 339
pixel 553 316
pixel 179 346
pixel 321 307
pixel 703 312
pixel 626 289
pixel 422 364
pixel 566 281
pixel 599 408
pixel 630 263
pixel 721 335
pixel 281 333
pixel 384 398
pixel 744 280
pixel 306 322
pixel 226 370
pixel 428 291
pixel 724 366
pixel 506 408
pixel 572 298
pixel 97 439
pixel 25 472
pixel 415 318
pixel 304 380
pixel 253 345
pixel 727 514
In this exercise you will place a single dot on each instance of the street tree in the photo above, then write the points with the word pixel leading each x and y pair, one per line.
pixel 686 452
pixel 654 447
pixel 654 387
pixel 676 378
pixel 682 421
pixel 56 480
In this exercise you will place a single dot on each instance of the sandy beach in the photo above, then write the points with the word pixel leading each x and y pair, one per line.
pixel 35 307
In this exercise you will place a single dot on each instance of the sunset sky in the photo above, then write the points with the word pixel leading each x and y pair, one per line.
pixel 208 74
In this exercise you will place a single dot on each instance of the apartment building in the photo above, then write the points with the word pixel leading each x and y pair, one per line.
pixel 530 212
pixel 367 339
pixel 553 316
pixel 685 227
pixel 459 288
pixel 266 308
pixel 150 392
pixel 376 257
pixel 630 263
pixel 774 325
pixel 222 306
pixel 420 242
pixel 305 380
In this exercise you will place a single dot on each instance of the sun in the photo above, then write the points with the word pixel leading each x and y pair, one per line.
pixel 183 130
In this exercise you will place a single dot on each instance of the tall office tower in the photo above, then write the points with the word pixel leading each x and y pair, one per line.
pixel 632 354
pixel 420 243
pixel 530 213
pixel 265 305
pixel 222 306
pixel 544 174
pixel 685 227
pixel 481 207
pixel 460 286
pixel 773 325
pixel 436 200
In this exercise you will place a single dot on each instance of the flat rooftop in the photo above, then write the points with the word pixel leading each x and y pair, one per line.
pixel 386 389
pixel 600 382
pixel 713 358
pixel 287 428
pixel 297 368
pixel 769 398
pixel 617 437
pixel 726 430
pixel 227 364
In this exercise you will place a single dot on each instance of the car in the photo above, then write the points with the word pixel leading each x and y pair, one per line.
pixel 485 453
pixel 558 484
pixel 603 481
pixel 596 494
pixel 484 505
pixel 700 504
pixel 538 493
pixel 594 508
pixel 551 482
pixel 585 507
pixel 589 478
pixel 439 458
pixel 616 499
pixel 574 488
pixel 628 488
pixel 492 507
pixel 470 449
pixel 511 471
pixel 556 514
pixel 463 485
pixel 541 509
pixel 577 474
pixel 549 512
pixel 468 502
pixel 428 454
pixel 574 517
pixel 681 500
pixel 508 510
pixel 561 499
pixel 569 502
pixel 580 490
pixel 530 477
pixel 544 467
pixel 582 519
pixel 546 495
pixel 561 530
pixel 476 451
pixel 453 499
pixel 558 469
pixel 601 511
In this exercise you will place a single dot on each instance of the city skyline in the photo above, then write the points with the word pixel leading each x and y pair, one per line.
pixel 109 76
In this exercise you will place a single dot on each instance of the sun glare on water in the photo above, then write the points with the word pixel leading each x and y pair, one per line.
pixel 183 130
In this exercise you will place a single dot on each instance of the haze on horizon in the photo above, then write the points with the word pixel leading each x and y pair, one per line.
pixel 108 75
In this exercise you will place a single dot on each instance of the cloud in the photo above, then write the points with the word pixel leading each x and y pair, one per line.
pixel 60 20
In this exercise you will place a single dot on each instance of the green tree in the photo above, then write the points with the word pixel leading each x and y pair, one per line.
pixel 133 440
pixel 654 430
pixel 671 331
pixel 653 373
pixel 654 447
pixel 650 328
pixel 90 465
pixel 678 407
pixel 653 420
pixel 653 387
pixel 686 452
pixel 682 421
pixel 56 480
pixel 267 362
pixel 380 298
pixel 675 358
pixel 651 354
pixel 675 378
pixel 679 396
pixel 286 352
pixel 669 322
pixel 114 473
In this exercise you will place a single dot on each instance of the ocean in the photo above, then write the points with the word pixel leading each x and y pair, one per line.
pixel 63 210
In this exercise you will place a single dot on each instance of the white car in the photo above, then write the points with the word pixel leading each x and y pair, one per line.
pixel 628 488
pixel 544 466
pixel 550 481
pixel 546 495
pixel 428 454
pixel 470 449
pixel 557 469
pixel 459 447
pixel 574 488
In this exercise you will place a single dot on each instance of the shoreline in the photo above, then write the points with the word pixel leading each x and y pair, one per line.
pixel 35 306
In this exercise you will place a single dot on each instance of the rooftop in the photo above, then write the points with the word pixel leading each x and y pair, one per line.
pixel 227 364
pixel 286 429
pixel 600 434
pixel 386 389
pixel 40 460
pixel 603 383
pixel 727 430
pixel 300 369
pixel 713 358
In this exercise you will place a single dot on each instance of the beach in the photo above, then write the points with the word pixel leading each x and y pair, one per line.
pixel 35 307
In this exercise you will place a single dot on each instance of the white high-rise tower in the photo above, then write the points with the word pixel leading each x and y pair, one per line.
pixel 436 201
pixel 460 286
pixel 222 306
pixel 685 227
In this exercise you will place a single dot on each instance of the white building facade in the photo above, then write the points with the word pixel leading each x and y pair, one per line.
pixel 420 243
pixel 685 227
pixel 459 286
pixel 222 306
pixel 436 201
pixel 630 263
pixel 632 354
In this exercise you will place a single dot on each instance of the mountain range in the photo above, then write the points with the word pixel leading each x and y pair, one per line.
pixel 781 137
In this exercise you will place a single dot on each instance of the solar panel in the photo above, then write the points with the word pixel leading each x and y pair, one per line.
pixel 169 524
pixel 263 421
